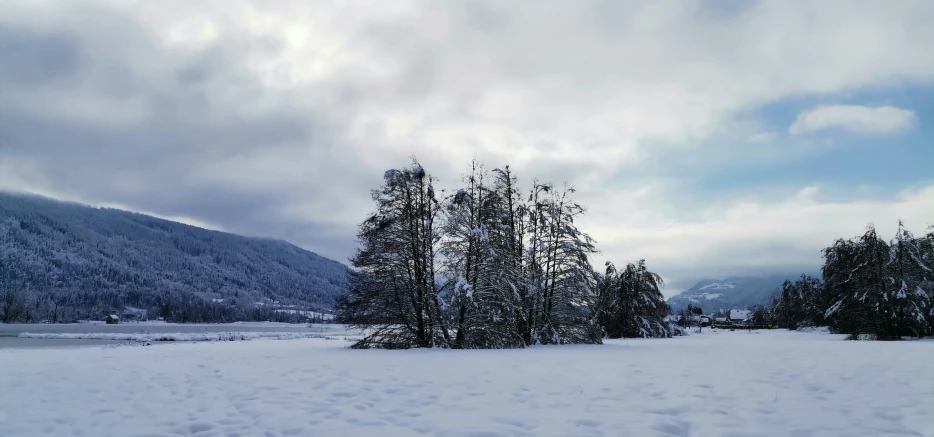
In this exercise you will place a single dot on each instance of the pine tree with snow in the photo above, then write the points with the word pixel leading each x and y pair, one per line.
pixel 926 246
pixel 909 275
pixel 876 287
pixel 631 303
pixel 863 293
pixel 800 303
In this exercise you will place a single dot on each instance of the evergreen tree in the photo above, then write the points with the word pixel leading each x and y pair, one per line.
pixel 799 303
pixel 631 303
pixel 868 308
pixel 879 288
pixel 909 274
pixel 761 316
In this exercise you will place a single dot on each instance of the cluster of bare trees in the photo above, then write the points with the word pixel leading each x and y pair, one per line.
pixel 488 265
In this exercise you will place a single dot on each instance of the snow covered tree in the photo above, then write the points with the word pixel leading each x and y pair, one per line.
pixel 394 295
pixel 909 275
pixel 560 277
pixel 878 288
pixel 631 303
pixel 789 308
pixel 926 246
pixel 862 290
pixel 478 292
pixel 509 263
pixel 690 316
pixel 12 294
pixel 799 303
pixel 761 316
pixel 512 270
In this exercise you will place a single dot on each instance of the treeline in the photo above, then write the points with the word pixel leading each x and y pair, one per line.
pixel 488 265
pixel 20 303
pixel 884 289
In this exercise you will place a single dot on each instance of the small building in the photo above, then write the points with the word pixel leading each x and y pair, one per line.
pixel 739 316
pixel 112 319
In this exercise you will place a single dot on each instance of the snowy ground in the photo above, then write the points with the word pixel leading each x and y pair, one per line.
pixel 173 336
pixel 715 384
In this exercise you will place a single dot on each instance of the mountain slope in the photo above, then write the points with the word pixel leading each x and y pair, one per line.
pixel 110 258
pixel 730 293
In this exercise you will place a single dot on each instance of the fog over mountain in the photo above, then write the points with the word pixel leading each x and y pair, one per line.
pixel 730 293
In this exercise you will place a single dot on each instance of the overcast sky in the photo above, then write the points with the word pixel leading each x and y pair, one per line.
pixel 712 138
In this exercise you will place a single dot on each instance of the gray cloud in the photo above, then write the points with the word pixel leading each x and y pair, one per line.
pixel 156 161
pixel 275 120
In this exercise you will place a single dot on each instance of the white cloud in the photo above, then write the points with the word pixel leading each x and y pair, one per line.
pixel 757 236
pixel 764 137
pixel 854 118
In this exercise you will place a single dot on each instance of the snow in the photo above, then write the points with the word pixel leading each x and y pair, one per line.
pixel 815 329
pixel 787 384
pixel 739 314
pixel 707 296
pixel 718 286
pixel 170 336
pixel 310 314
pixel 193 325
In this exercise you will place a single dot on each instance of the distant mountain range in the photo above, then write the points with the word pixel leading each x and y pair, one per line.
pixel 730 293
pixel 129 259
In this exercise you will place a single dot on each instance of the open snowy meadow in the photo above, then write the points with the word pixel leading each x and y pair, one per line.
pixel 773 383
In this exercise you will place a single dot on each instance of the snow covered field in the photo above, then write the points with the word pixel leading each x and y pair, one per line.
pixel 715 384
pixel 173 336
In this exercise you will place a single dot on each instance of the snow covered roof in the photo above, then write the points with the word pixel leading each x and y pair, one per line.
pixel 739 314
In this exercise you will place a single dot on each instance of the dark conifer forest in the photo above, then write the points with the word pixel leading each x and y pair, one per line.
pixel 62 262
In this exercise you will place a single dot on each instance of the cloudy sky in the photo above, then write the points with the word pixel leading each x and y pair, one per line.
pixel 712 138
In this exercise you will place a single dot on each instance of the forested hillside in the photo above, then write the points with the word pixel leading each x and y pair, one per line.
pixel 64 261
